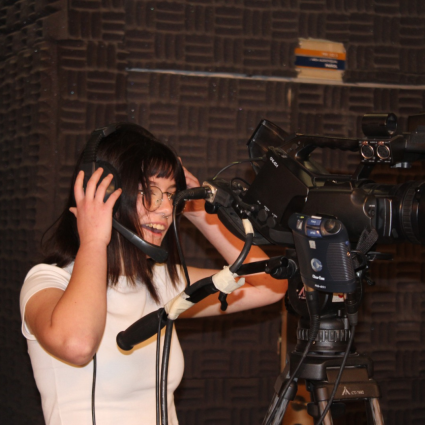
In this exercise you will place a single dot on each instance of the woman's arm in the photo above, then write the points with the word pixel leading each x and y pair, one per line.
pixel 69 324
pixel 259 290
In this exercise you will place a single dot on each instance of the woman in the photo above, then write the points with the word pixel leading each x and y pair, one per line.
pixel 94 284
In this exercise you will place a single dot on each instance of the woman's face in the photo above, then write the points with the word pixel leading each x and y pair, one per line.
pixel 156 223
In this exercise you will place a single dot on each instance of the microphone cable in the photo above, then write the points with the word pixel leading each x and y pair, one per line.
pixel 312 299
pixel 157 376
pixel 260 158
pixel 93 391
pixel 188 194
pixel 170 323
pixel 290 380
pixel 179 248
pixel 164 371
pixel 161 382
pixel 351 302
pixel 193 193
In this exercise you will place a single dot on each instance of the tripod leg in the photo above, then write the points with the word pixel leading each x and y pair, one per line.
pixel 280 401
pixel 328 418
pixel 275 416
pixel 270 412
pixel 376 411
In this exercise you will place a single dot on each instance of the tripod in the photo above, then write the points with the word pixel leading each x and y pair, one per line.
pixel 320 370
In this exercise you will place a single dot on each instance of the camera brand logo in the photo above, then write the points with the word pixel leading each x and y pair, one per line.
pixel 274 162
pixel 346 392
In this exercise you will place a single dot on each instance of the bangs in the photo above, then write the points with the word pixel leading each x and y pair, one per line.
pixel 163 164
pixel 161 167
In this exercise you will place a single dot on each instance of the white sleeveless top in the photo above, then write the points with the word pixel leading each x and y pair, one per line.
pixel 125 383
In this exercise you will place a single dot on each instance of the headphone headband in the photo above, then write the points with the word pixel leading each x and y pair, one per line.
pixel 90 151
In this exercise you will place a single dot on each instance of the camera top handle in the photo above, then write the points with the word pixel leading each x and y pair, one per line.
pixel 303 144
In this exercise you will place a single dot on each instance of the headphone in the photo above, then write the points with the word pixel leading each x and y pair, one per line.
pixel 89 164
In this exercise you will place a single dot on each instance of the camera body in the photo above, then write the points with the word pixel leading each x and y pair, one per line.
pixel 288 181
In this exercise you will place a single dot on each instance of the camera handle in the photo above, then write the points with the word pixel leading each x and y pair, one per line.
pixel 304 144
pixel 279 267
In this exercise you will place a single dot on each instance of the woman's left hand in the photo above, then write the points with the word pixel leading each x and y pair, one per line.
pixel 195 205
pixel 259 290
pixel 191 180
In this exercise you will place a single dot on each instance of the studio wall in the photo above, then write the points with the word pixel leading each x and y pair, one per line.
pixel 201 75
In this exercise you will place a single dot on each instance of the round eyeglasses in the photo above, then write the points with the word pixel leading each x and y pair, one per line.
pixel 157 195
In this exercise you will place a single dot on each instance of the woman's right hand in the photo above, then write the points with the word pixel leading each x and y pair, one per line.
pixel 70 324
pixel 94 216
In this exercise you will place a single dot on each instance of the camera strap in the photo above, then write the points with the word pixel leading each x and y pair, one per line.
pixel 367 239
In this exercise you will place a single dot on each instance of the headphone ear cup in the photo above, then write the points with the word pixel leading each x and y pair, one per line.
pixel 115 182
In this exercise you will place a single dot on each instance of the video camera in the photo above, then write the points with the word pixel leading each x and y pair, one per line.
pixel 288 181
pixel 294 201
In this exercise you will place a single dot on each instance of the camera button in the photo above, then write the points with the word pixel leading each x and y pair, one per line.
pixel 313 221
pixel 316 265
pixel 314 233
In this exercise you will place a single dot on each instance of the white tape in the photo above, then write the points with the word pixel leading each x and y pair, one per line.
pixel 225 281
pixel 247 226
pixel 177 306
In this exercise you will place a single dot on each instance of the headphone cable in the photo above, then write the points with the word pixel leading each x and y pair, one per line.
pixel 93 392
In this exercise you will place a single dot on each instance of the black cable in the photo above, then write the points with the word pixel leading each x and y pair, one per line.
pixel 93 392
pixel 260 158
pixel 188 194
pixel 164 371
pixel 293 376
pixel 245 250
pixel 338 379
pixel 161 390
pixel 158 355
pixel 179 248
pixel 312 299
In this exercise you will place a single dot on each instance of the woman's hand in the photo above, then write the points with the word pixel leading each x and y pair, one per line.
pixel 94 216
pixel 70 324
pixel 259 290
pixel 191 180
pixel 193 206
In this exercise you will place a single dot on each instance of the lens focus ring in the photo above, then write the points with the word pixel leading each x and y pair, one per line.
pixel 407 212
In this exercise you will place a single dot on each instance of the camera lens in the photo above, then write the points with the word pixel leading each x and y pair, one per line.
pixel 400 211
pixel 412 212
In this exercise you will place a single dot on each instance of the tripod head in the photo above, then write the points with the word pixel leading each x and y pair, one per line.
pixel 334 327
pixel 327 265
pixel 327 322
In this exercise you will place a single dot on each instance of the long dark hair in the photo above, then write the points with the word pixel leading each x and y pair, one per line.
pixel 137 156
